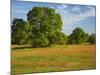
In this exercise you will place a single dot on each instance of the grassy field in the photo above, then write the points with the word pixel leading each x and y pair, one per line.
pixel 50 59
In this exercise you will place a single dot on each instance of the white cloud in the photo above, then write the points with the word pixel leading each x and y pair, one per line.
pixel 62 9
pixel 82 16
pixel 76 9
pixel 63 6
pixel 71 19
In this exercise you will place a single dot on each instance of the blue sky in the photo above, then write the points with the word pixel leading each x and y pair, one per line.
pixel 72 15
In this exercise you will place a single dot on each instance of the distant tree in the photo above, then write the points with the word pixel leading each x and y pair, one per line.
pixel 92 38
pixel 78 36
pixel 45 22
pixel 19 31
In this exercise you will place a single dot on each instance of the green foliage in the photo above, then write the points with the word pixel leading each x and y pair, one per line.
pixel 78 36
pixel 86 37
pixel 58 38
pixel 19 31
pixel 46 26
pixel 92 38
pixel 39 40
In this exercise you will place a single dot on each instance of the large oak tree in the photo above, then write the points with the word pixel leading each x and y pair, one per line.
pixel 45 23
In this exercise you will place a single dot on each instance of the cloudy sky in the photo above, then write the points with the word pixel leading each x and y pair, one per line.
pixel 72 15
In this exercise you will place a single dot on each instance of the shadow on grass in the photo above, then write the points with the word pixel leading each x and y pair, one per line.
pixel 18 48
pixel 25 47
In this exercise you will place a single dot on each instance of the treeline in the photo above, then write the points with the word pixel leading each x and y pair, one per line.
pixel 78 36
pixel 43 28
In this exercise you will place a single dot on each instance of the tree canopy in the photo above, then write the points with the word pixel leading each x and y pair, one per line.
pixel 92 38
pixel 78 36
pixel 46 23
pixel 19 31
pixel 43 28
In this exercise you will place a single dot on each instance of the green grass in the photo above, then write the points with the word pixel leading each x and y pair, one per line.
pixel 51 59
